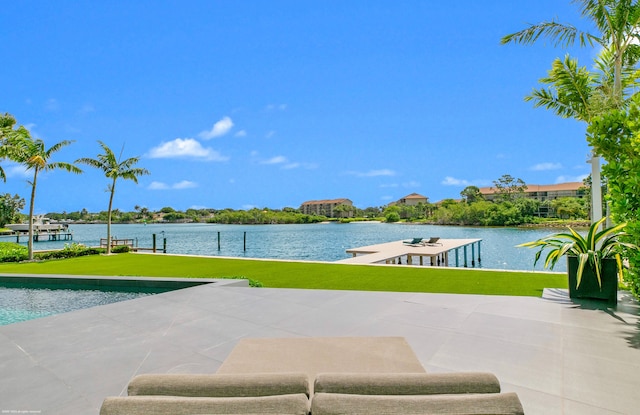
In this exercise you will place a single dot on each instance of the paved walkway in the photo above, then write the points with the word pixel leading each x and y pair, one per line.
pixel 559 357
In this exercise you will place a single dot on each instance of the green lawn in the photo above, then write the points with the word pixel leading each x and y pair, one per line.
pixel 278 274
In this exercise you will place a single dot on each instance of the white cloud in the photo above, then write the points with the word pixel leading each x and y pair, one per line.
pixel 391 185
pixel 373 173
pixel 16 170
pixel 241 133
pixel 158 186
pixel 286 164
pixel 219 129
pixel 276 107
pixel 185 184
pixel 546 166
pixel 187 147
pixel 452 181
pixel 270 134
pixel 565 179
pixel 275 160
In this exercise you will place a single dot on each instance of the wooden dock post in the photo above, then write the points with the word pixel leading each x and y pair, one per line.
pixel 154 242
pixel 479 256
pixel 218 240
pixel 473 255
pixel 245 241
pixel 164 245
pixel 465 256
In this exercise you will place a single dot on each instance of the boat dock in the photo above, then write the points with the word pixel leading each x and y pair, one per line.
pixel 39 236
pixel 422 253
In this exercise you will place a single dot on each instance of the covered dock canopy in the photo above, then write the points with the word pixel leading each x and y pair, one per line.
pixel 434 254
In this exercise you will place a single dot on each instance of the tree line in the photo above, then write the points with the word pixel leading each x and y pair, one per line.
pixel 510 208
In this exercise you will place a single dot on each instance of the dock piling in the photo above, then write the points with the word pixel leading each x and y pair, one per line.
pixel 465 256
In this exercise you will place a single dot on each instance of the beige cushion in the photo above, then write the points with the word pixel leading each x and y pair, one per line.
pixel 215 385
pixel 460 404
pixel 171 405
pixel 406 383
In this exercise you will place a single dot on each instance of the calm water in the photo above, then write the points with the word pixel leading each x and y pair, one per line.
pixel 321 242
pixel 21 304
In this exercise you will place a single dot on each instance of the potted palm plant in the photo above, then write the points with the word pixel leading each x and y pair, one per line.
pixel 594 261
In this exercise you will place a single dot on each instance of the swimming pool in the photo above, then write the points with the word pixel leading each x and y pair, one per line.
pixel 25 298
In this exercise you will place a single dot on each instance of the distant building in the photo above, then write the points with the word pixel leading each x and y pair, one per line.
pixel 543 192
pixel 324 207
pixel 412 200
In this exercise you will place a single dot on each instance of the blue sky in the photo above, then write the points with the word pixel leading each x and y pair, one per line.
pixel 246 104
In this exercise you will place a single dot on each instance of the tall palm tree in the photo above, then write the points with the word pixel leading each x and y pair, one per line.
pixel 114 169
pixel 33 155
pixel 618 32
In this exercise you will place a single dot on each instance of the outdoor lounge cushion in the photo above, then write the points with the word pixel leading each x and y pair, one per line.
pixel 220 385
pixel 459 404
pixel 297 404
pixel 406 383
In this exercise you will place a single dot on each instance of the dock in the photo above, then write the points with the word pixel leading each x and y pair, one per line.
pixel 433 254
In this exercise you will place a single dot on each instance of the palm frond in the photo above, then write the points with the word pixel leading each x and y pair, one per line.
pixel 56 147
pixel 560 34
pixel 570 90
pixel 60 165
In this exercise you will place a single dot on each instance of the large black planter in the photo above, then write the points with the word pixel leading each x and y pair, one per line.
pixel 589 287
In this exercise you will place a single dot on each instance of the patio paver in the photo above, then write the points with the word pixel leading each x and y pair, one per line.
pixel 561 358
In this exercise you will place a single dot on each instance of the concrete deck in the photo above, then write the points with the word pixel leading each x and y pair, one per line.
pixel 561 358
pixel 415 254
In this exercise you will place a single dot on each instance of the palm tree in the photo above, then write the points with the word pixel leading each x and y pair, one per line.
pixel 35 156
pixel 579 93
pixel 7 136
pixel 618 26
pixel 114 169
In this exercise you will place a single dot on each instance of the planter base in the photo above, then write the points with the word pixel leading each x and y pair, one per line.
pixel 589 287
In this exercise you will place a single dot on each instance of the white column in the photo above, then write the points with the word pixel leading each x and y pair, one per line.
pixel 596 189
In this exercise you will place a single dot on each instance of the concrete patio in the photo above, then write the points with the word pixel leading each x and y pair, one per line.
pixel 560 357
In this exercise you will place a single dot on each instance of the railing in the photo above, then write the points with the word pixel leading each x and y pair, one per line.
pixel 116 242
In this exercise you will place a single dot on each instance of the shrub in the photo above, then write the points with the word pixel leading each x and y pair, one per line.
pixel 69 251
pixel 12 252
pixel 120 249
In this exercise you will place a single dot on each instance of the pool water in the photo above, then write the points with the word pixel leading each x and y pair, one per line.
pixel 20 304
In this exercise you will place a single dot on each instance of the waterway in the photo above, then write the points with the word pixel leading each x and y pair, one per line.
pixel 316 242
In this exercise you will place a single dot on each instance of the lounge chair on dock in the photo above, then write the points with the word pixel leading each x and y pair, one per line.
pixel 433 241
pixel 414 241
